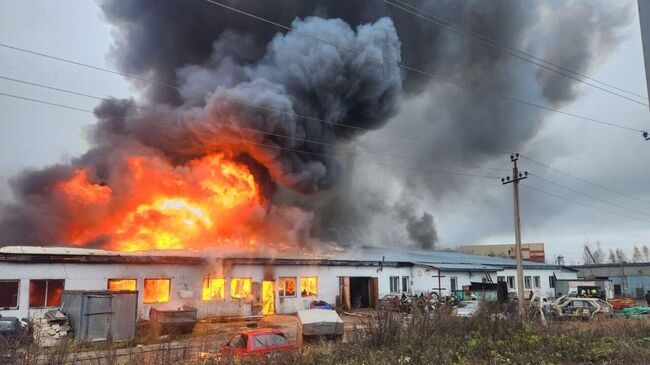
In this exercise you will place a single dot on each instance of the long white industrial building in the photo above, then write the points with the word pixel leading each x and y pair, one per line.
pixel 32 279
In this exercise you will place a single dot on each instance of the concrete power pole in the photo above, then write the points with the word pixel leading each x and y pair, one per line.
pixel 644 21
pixel 516 177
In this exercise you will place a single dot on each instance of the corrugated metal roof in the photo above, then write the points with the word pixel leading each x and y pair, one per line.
pixel 56 250
pixel 461 267
pixel 440 259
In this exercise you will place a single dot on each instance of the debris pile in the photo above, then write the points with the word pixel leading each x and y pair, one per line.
pixel 51 328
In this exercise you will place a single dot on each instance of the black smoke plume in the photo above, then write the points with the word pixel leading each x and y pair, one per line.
pixel 222 62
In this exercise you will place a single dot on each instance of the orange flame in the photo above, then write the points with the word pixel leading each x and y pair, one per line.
pixel 154 205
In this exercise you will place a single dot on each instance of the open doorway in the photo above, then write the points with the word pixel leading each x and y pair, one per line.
pixel 358 291
pixel 268 297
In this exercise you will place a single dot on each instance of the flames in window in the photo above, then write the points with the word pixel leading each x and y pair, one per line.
pixel 308 286
pixel 214 289
pixel 122 284
pixel 156 290
pixel 240 288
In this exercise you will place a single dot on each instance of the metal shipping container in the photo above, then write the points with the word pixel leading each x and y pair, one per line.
pixel 98 316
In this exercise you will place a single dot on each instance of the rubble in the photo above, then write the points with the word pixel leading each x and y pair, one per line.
pixel 51 328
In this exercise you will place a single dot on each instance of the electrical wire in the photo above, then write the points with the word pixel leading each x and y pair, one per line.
pixel 524 56
pixel 426 73
pixel 582 204
pixel 178 88
pixel 584 180
pixel 177 114
pixel 34 100
pixel 588 195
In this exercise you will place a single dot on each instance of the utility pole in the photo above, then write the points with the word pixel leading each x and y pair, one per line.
pixel 516 177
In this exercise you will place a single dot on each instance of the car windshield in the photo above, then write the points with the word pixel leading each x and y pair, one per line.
pixel 467 305
pixel 269 340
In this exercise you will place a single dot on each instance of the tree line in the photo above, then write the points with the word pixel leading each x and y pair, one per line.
pixel 595 254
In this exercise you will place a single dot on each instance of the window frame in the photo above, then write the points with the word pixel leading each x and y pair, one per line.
pixel 394 289
pixel 108 283
pixel 282 292
pixel 501 279
pixel 317 288
pixel 241 278
pixel 511 279
pixel 453 284
pixel 47 289
pixel 552 281
pixel 537 282
pixel 169 289
pixel 406 288
pixel 207 278
pixel 528 282
pixel 17 281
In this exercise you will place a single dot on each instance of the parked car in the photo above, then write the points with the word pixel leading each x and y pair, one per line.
pixel 258 342
pixel 582 308
pixel 9 326
pixel 466 308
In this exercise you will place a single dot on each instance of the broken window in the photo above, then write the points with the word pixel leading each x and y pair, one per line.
pixel 45 293
pixel 287 287
pixel 240 288
pixel 9 294
pixel 405 284
pixel 537 282
pixel 308 286
pixel 214 289
pixel 122 284
pixel 527 282
pixel 394 284
pixel 157 290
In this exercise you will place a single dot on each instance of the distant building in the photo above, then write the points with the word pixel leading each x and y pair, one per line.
pixel 531 251
pixel 629 279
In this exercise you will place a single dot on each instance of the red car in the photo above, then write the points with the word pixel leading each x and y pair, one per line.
pixel 259 342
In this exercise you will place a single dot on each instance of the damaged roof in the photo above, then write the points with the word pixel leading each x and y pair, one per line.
pixel 358 256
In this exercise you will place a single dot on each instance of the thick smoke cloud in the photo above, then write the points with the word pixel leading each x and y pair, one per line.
pixel 222 62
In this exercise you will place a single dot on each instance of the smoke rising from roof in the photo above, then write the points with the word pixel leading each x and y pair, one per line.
pixel 223 62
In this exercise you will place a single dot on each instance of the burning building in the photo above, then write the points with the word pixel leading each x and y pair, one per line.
pixel 33 279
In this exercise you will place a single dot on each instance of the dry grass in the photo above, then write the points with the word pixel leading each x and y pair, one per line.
pixel 423 338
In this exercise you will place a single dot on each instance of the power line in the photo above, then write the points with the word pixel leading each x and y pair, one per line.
pixel 246 128
pixel 582 204
pixel 589 196
pixel 178 88
pixel 253 143
pixel 524 56
pixel 429 74
pixel 586 181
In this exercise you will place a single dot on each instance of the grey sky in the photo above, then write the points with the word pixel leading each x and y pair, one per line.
pixel 33 136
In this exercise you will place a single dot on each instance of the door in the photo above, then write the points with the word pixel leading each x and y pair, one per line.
pixel 268 297
pixel 374 292
pixel 98 312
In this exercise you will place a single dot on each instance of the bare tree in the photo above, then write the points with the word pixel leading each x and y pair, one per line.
pixel 620 256
pixel 636 255
pixel 646 253
pixel 612 257
pixel 592 254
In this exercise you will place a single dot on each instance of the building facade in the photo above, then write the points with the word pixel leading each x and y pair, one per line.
pixel 33 279
pixel 530 251
pixel 629 279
